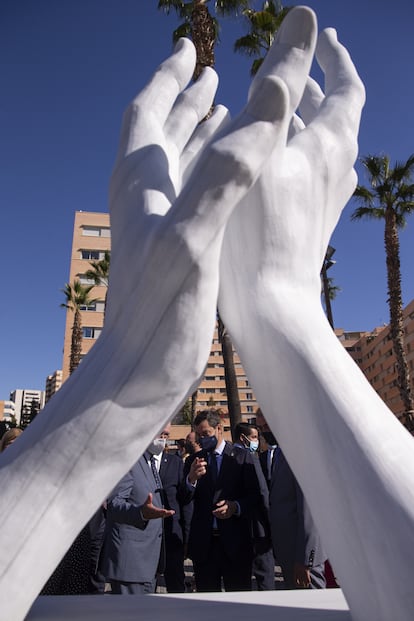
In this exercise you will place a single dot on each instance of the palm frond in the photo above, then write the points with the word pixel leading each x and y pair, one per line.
pixel 231 7
pixel 248 44
pixel 183 30
pixel 257 63
pixel 371 213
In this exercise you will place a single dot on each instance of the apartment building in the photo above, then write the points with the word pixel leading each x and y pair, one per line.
pixel 374 354
pixel 25 400
pixel 91 237
pixel 53 383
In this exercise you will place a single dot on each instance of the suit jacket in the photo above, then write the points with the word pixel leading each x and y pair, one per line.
pixel 294 535
pixel 171 473
pixel 132 545
pixel 237 480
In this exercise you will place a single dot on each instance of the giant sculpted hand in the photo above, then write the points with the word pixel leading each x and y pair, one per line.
pixel 353 459
pixel 173 189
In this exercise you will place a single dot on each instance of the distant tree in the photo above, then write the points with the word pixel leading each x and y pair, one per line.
pixel 29 412
pixel 390 197
pixel 184 416
pixel 76 295
pixel 263 26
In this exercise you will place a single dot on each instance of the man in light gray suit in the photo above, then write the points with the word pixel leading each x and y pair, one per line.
pixel 296 542
pixel 134 530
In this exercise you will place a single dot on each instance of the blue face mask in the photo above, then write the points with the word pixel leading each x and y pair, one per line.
pixel 208 443
pixel 253 446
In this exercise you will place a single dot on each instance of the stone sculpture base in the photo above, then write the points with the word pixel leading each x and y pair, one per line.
pixel 323 605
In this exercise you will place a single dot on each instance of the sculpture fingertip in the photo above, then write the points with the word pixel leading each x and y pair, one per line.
pixel 299 28
pixel 270 101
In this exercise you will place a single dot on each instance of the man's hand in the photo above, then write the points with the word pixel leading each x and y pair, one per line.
pixel 225 509
pixel 301 576
pixel 197 470
pixel 151 512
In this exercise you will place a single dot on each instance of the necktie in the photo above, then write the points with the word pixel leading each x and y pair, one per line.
pixel 155 473
pixel 213 467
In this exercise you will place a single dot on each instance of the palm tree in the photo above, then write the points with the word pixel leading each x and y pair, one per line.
pixel 200 25
pixel 99 273
pixel 233 399
pixel 203 29
pixel 390 197
pixel 76 295
pixel 263 26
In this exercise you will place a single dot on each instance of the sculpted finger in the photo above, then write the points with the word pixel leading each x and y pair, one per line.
pixel 311 101
pixel 153 104
pixel 231 164
pixel 291 54
pixel 201 137
pixel 334 129
pixel 190 108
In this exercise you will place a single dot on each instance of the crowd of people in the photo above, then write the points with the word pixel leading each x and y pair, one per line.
pixel 234 509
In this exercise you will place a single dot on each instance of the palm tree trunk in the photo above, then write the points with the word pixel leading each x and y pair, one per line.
pixel 203 35
pixel 76 342
pixel 233 400
pixel 392 251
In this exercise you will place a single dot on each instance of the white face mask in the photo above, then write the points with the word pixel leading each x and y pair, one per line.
pixel 157 446
pixel 252 445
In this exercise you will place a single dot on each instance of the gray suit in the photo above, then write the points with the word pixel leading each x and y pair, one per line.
pixel 132 545
pixel 294 535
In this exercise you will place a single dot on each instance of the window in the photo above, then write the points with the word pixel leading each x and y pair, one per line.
pixel 249 396
pixel 249 409
pixel 85 281
pixel 96 231
pixel 90 254
pixel 91 333
pixel 98 307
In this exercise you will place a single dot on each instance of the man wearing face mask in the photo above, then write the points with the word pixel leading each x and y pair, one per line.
pixel 296 542
pixel 247 438
pixel 223 484
pixel 134 530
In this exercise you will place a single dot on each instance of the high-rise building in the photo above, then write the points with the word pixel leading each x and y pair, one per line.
pixel 53 383
pixel 91 237
pixel 374 354
pixel 26 401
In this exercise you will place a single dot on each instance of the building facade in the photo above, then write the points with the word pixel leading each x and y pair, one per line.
pixel 53 383
pixel 91 238
pixel 26 402
pixel 374 354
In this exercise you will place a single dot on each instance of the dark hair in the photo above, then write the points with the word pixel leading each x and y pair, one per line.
pixel 212 416
pixel 180 442
pixel 243 429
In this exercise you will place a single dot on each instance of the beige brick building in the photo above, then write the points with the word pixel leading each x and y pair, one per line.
pixel 373 352
pixel 91 237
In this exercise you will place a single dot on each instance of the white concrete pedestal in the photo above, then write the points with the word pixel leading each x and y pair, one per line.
pixel 312 605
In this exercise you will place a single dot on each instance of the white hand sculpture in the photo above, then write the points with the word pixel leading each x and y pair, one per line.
pixel 353 459
pixel 170 197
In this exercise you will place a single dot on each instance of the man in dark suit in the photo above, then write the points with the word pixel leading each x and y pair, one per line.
pixel 296 542
pixel 177 526
pixel 246 438
pixel 134 530
pixel 223 484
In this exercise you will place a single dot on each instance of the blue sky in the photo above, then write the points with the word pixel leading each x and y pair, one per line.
pixel 68 69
